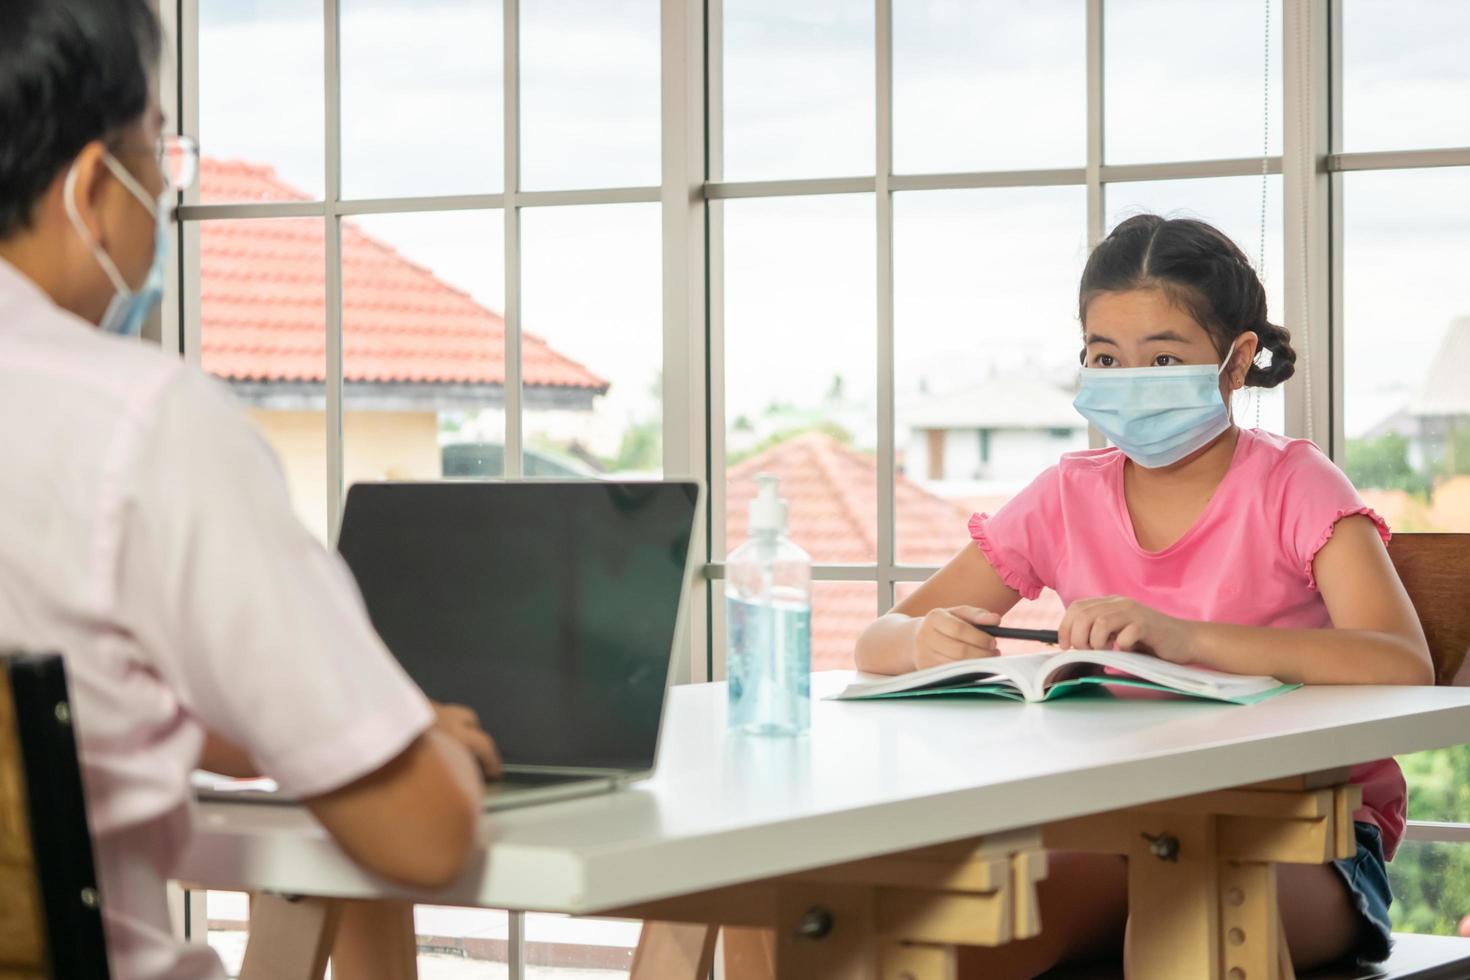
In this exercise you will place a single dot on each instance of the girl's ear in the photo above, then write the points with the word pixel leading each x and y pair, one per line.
pixel 1241 359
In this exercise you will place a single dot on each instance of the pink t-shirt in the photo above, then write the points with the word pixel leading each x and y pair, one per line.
pixel 1247 559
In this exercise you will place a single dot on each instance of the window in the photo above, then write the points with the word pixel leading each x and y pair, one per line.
pixel 474 211
pixel 988 86
pixel 422 98
pixel 408 275
pixel 1402 162
pixel 797 83
pixel 1404 75
pixel 1237 206
pixel 1406 322
pixel 257 97
pixel 896 292
pixel 1190 80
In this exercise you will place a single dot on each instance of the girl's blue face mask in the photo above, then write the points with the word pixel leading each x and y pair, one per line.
pixel 1155 415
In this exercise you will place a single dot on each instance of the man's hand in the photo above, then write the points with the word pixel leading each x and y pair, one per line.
pixel 1118 623
pixel 947 635
pixel 463 725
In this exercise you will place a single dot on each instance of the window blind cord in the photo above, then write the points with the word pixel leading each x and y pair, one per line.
pixel 1304 182
pixel 1265 166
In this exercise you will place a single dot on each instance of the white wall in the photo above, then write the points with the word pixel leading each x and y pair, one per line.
pixel 1016 456
pixel 1020 454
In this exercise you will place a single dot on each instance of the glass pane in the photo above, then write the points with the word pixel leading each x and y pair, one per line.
pixel 985 352
pixel 1431 888
pixel 1234 205
pixel 840 611
pixel 563 948
pixel 422 98
pixel 261 97
pixel 1185 80
pixel 800 339
pixel 1406 326
pixel 1044 613
pixel 592 349
pixel 1405 80
pixel 228 927
pixel 458 943
pixel 262 330
pixel 590 107
pixel 798 88
pixel 1439 785
pixel 989 86
pixel 423 346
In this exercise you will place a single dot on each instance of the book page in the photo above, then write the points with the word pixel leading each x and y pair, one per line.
pixel 1021 670
pixel 1190 680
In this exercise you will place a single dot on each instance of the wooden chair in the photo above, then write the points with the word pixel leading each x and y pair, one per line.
pixel 50 909
pixel 1435 569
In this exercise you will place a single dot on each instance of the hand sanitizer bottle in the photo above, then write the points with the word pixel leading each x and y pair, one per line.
pixel 768 606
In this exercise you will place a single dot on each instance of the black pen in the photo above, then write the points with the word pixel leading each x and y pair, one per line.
pixel 1007 633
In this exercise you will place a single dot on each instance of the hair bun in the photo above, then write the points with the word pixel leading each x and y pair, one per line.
pixel 1277 340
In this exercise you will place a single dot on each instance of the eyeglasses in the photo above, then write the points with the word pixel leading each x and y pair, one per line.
pixel 178 158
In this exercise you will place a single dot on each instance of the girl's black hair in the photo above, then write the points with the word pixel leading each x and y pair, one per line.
pixel 71 71
pixel 1202 272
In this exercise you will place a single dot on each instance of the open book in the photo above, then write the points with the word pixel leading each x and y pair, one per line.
pixel 1042 676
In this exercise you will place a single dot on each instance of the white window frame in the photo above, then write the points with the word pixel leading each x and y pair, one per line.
pixel 691 193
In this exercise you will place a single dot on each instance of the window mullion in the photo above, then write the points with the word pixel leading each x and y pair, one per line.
pixel 511 58
pixel 332 74
pixel 883 200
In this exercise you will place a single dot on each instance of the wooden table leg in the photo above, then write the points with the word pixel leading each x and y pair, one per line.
pixel 289 938
pixel 1202 891
pixel 896 917
pixel 674 951
pixel 1173 905
pixel 919 963
pixel 375 941
pixel 750 954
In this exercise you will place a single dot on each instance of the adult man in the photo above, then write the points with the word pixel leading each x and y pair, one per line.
pixel 145 530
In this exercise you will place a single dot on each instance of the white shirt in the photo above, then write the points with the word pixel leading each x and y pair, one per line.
pixel 146 535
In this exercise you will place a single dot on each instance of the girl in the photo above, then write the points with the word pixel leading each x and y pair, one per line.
pixel 1193 540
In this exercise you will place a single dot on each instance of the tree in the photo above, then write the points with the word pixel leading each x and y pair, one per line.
pixel 1383 464
pixel 1431 882
pixel 832 429
pixel 641 448
pixel 642 445
pixel 1457 451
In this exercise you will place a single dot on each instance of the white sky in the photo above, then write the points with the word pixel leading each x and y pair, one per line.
pixel 985 280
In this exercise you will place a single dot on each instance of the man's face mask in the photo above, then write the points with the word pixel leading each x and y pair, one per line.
pixel 129 308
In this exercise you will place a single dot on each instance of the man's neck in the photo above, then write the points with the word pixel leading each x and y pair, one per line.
pixel 43 261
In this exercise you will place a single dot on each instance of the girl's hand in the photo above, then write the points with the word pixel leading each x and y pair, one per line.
pixel 1118 623
pixel 947 635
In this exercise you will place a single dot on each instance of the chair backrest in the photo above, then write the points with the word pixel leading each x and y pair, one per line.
pixel 50 908
pixel 1435 569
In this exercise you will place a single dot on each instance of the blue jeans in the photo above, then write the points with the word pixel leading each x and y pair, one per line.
pixel 1366 875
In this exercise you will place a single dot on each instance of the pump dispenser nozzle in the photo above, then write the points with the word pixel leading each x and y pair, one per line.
pixel 768 510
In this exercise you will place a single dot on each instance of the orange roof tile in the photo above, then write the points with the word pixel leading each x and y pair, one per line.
pixel 831 495
pixel 262 304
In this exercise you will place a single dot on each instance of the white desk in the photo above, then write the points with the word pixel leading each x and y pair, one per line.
pixel 871 779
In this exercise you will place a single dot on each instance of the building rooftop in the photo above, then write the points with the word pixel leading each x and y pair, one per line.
pixel 1445 391
pixel 263 307
pixel 1006 401
pixel 831 495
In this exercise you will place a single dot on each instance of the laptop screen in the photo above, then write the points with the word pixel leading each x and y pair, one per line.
pixel 549 608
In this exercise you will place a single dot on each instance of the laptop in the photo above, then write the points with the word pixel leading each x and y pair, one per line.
pixel 553 609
